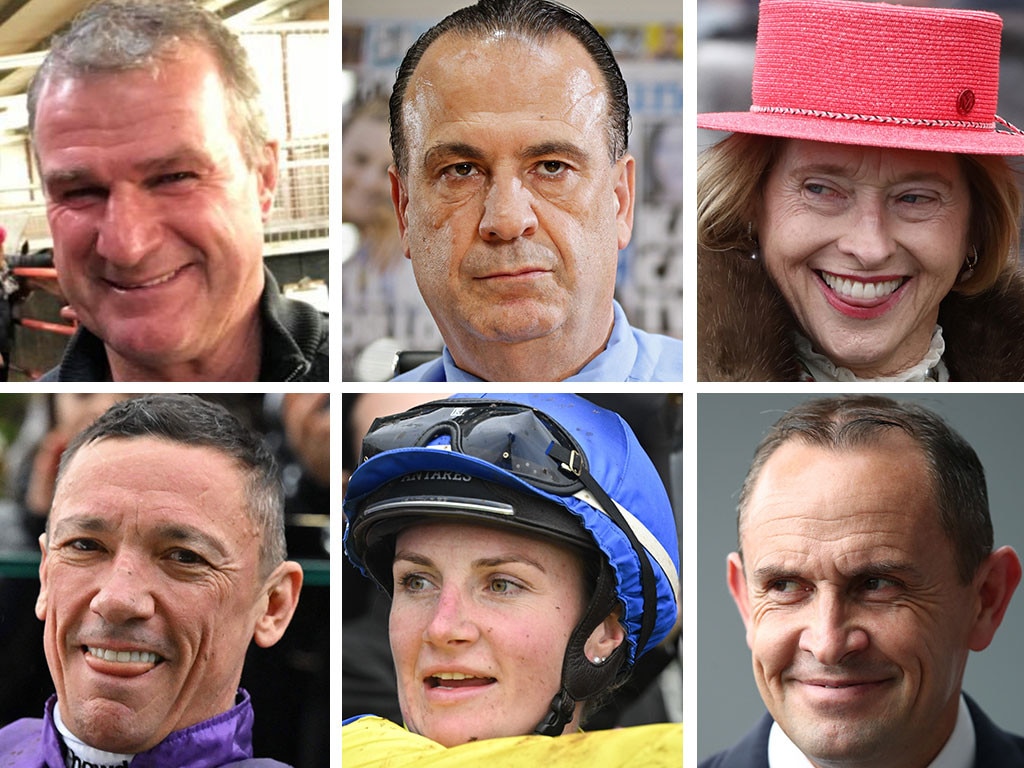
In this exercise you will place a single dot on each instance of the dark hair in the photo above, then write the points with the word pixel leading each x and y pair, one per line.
pixel 191 421
pixel 958 479
pixel 536 20
pixel 123 35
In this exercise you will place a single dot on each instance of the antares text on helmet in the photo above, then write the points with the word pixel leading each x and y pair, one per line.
pixel 436 475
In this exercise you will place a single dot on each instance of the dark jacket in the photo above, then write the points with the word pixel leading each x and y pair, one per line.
pixel 745 329
pixel 295 344
pixel 996 748
pixel 223 740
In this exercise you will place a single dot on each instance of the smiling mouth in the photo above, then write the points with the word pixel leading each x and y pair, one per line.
pixel 165 278
pixel 123 657
pixel 848 288
pixel 454 680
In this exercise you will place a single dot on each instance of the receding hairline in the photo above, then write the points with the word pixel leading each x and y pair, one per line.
pixel 866 442
pixel 510 37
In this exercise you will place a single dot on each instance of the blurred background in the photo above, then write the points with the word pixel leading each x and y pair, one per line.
pixel 289 681
pixel 382 311
pixel 287 44
pixel 728 430
pixel 655 691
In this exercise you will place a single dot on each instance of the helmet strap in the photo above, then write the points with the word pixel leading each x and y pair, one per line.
pixel 581 677
pixel 572 465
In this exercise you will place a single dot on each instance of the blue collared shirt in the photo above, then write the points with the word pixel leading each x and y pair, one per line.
pixel 631 355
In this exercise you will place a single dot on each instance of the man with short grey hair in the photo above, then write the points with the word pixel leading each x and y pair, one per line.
pixel 159 175
pixel 865 575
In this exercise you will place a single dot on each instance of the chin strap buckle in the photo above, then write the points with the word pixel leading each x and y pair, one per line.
pixel 561 711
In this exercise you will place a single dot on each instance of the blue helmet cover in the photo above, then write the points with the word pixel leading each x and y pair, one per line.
pixel 617 463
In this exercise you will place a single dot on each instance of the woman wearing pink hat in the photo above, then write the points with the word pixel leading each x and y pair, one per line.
pixel 862 221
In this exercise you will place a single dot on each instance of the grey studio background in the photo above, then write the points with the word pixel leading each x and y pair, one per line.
pixel 728 429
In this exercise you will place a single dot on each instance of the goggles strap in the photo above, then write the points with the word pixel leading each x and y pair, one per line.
pixel 571 465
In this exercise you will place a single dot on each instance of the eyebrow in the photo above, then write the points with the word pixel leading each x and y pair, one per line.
pixel 483 562
pixel 174 159
pixel 190 535
pixel 178 533
pixel 561 148
pixel 832 169
pixel 449 149
pixel 769 573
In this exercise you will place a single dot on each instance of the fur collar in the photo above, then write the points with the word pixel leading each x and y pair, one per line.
pixel 745 330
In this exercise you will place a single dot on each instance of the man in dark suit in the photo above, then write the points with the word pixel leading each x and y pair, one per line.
pixel 866 573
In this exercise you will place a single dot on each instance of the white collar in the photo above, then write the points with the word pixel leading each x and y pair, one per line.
pixel 820 368
pixel 80 753
pixel 957 753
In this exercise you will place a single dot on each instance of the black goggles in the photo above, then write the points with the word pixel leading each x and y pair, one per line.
pixel 514 437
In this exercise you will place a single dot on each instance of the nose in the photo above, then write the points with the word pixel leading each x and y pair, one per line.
pixel 831 633
pixel 124 594
pixel 867 236
pixel 130 228
pixel 451 621
pixel 508 210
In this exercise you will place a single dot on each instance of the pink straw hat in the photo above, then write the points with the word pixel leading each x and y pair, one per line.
pixel 877 75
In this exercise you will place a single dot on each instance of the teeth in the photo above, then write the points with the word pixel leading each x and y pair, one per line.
pixel 452 676
pixel 858 290
pixel 134 657
pixel 150 284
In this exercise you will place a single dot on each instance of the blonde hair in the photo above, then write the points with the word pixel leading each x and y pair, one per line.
pixel 730 184
pixel 995 220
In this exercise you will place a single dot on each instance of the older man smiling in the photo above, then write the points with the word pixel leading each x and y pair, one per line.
pixel 162 560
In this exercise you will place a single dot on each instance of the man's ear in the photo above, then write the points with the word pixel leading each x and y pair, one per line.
pixel 282 596
pixel 997 578
pixel 41 599
pixel 266 177
pixel 737 579
pixel 625 197
pixel 400 200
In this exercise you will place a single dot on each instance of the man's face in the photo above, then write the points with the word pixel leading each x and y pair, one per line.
pixel 857 620
pixel 156 217
pixel 150 589
pixel 512 211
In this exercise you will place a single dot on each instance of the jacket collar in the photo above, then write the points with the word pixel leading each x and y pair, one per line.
pixel 293 334
pixel 221 740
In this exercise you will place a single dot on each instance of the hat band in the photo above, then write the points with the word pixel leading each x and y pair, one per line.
pixel 887 119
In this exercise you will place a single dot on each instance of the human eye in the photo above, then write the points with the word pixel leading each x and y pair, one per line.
pixel 79 549
pixel 879 584
pixel 500 585
pixel 916 202
pixel 83 545
pixel 413 583
pixel 186 557
pixel 81 195
pixel 175 177
pixel 460 170
pixel 551 168
pixel 820 189
pixel 786 590
pixel 785 586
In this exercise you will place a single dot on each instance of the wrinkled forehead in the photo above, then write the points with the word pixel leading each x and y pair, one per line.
pixel 883 481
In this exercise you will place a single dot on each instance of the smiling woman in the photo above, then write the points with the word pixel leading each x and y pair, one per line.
pixel 879 238
pixel 530 564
